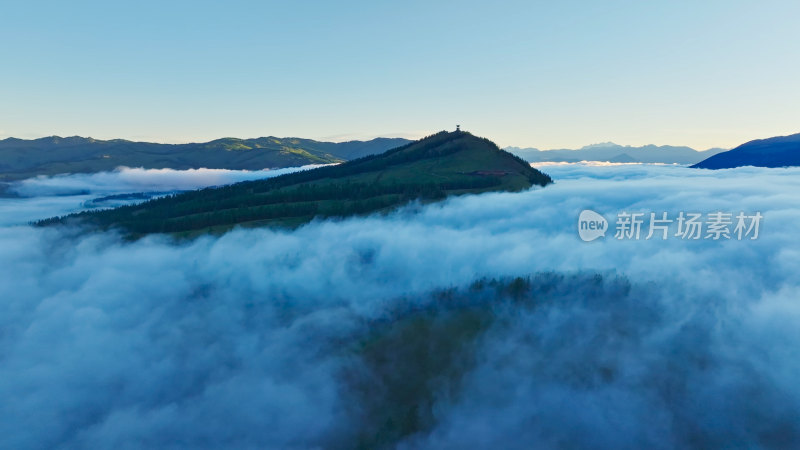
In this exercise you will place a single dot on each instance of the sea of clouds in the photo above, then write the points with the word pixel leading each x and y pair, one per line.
pixel 252 339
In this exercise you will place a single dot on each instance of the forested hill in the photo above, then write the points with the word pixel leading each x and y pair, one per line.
pixel 432 168
pixel 21 158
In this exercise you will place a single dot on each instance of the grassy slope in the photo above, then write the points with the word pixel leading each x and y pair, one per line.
pixel 21 159
pixel 429 169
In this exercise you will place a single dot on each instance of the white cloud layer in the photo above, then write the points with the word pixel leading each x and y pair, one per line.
pixel 137 179
pixel 241 341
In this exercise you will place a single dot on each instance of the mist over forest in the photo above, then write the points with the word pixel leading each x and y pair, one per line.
pixel 482 321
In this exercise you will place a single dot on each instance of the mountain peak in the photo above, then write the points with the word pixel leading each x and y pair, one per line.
pixel 600 145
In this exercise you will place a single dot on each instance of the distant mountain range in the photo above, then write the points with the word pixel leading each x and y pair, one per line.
pixel 21 158
pixel 782 151
pixel 610 152
pixel 429 169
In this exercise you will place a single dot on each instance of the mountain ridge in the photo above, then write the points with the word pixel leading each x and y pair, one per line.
pixel 611 152
pixel 778 151
pixel 51 155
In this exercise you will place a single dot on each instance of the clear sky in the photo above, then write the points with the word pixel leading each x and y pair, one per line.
pixel 547 74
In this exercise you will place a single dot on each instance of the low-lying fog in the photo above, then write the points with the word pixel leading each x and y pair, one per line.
pixel 41 197
pixel 373 331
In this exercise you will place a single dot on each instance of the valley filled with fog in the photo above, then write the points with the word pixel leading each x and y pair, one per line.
pixel 41 197
pixel 482 321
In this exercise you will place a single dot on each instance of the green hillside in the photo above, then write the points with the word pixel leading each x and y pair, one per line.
pixel 429 169
pixel 53 155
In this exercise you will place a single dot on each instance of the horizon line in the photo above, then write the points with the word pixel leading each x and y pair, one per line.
pixel 353 137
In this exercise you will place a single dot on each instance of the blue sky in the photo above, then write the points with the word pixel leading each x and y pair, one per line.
pixel 525 73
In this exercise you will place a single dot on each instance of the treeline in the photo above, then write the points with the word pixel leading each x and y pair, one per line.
pixel 176 213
